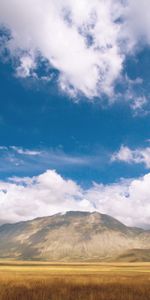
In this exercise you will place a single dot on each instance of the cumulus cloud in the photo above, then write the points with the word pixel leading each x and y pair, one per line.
pixel 136 156
pixel 85 41
pixel 127 200
pixel 49 193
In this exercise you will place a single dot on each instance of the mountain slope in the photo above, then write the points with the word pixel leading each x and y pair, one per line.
pixel 74 236
pixel 135 255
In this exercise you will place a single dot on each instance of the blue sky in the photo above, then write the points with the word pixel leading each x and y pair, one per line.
pixel 37 116
pixel 76 103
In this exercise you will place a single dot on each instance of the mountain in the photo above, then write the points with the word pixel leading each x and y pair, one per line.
pixel 74 236
pixel 135 255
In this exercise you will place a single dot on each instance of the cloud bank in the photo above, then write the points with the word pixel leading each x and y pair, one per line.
pixel 87 42
pixel 49 193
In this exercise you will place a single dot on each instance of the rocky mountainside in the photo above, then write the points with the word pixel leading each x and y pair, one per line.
pixel 74 236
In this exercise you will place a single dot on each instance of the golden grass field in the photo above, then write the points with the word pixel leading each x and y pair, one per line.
pixel 43 281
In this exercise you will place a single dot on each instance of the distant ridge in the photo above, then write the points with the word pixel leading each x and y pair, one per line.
pixel 74 236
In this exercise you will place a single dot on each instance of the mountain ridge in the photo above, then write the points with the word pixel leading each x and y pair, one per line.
pixel 72 236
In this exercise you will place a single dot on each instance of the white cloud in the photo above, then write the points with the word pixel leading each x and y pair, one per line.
pixel 127 200
pixel 124 154
pixel 46 194
pixel 14 158
pixel 137 100
pixel 86 41
pixel 25 151
pixel 138 103
pixel 26 67
pixel 137 156
pixel 49 193
pixel 138 19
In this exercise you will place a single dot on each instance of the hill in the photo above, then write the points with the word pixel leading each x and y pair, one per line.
pixel 74 236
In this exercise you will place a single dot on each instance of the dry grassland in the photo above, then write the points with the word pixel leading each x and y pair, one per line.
pixel 43 281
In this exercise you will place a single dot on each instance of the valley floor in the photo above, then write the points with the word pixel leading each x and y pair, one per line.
pixel 45 281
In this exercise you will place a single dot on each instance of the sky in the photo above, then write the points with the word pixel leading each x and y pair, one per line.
pixel 75 109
